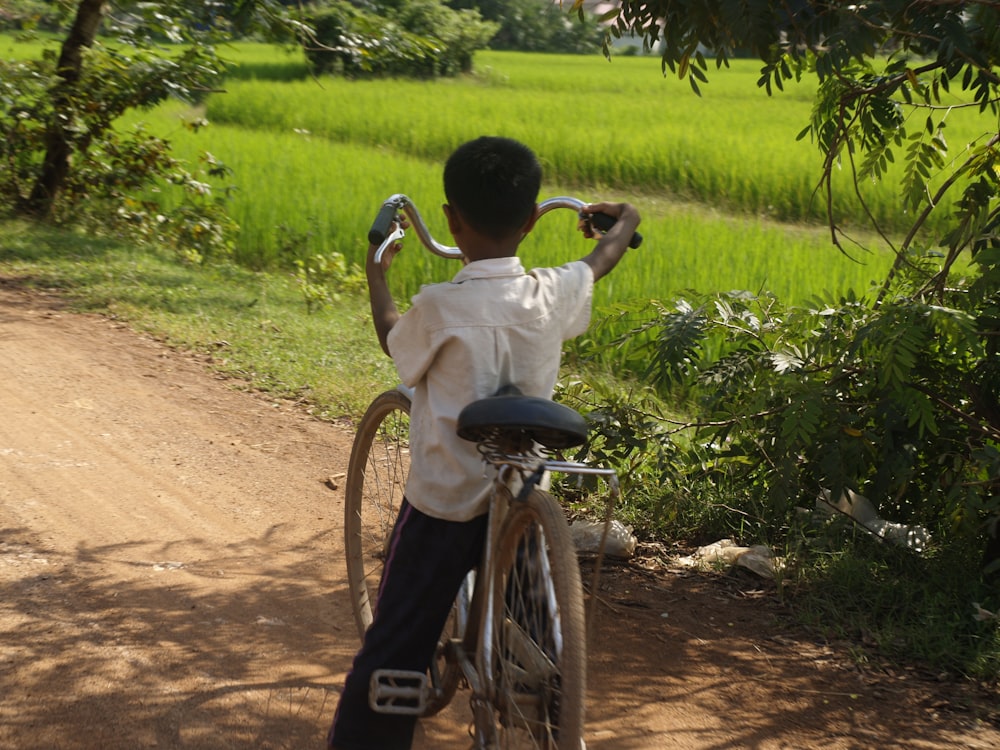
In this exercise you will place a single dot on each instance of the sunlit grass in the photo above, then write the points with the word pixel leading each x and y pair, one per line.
pixel 620 124
pixel 305 194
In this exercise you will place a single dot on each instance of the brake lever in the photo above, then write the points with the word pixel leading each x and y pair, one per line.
pixel 396 234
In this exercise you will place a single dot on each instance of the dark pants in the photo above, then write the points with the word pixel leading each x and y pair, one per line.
pixel 428 560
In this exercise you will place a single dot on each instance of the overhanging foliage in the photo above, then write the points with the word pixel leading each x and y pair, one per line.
pixel 893 394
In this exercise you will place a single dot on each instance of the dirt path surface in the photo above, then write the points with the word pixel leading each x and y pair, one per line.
pixel 172 577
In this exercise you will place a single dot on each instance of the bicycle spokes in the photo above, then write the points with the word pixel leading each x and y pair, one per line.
pixel 529 648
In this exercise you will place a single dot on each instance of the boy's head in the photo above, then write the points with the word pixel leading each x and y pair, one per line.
pixel 493 183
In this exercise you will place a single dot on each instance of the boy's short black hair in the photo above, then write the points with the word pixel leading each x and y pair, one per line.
pixel 493 183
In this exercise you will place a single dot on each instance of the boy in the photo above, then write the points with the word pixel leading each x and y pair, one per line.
pixel 492 325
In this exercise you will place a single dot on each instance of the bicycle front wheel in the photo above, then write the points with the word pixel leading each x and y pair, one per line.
pixel 376 478
pixel 538 642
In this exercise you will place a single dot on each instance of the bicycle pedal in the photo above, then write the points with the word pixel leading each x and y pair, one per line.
pixel 398 691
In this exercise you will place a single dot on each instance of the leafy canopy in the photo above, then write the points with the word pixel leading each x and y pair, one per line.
pixel 61 156
pixel 894 392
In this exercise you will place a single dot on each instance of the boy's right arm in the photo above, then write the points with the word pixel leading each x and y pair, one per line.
pixel 384 311
pixel 612 246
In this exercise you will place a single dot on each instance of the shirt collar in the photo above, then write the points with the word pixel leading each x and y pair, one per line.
pixel 490 268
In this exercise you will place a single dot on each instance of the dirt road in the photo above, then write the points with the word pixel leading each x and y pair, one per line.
pixel 172 577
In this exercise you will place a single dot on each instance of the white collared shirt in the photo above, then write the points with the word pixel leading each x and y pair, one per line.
pixel 492 325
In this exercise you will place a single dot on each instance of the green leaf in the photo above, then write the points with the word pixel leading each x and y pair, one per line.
pixel 787 360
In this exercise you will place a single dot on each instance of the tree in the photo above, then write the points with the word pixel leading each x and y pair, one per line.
pixel 895 394
pixel 59 142
pixel 418 38
pixel 537 26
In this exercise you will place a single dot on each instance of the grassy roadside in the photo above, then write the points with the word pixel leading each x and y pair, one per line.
pixel 253 324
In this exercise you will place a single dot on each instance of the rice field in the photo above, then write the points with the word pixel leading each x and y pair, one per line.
pixel 740 154
pixel 726 191
pixel 323 194
pixel 619 123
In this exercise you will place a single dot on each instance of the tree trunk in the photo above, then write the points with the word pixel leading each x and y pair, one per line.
pixel 58 149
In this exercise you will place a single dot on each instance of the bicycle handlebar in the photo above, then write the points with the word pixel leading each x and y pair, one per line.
pixel 380 235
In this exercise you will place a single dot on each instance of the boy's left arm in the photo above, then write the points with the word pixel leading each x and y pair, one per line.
pixel 384 311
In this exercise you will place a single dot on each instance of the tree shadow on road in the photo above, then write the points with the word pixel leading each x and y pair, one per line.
pixel 715 661
pixel 226 648
pixel 189 644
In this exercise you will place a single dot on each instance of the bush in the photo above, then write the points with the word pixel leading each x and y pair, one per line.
pixel 460 33
pixel 420 38
pixel 111 166
pixel 31 15
pixel 533 26
pixel 894 398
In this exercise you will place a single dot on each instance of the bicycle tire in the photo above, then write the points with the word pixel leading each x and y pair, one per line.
pixel 376 478
pixel 539 658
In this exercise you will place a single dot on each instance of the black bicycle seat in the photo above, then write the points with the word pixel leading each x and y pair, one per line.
pixel 553 425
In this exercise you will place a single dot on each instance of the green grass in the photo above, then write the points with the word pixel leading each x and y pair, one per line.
pixel 726 192
pixel 619 124
pixel 590 134
pixel 899 606
pixel 24 46
pixel 252 324
pixel 251 61
pixel 324 194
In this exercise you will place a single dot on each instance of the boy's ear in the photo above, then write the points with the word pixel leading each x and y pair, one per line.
pixel 454 220
pixel 530 223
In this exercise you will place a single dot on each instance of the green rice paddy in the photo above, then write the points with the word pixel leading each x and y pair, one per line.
pixel 727 194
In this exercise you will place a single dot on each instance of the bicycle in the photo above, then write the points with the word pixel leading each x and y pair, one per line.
pixel 516 636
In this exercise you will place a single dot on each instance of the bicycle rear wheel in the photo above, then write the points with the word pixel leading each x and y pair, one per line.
pixel 539 648
pixel 376 478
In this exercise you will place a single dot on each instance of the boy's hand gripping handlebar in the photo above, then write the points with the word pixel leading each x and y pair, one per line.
pixel 381 235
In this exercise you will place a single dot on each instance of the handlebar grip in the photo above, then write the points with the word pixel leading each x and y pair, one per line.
pixel 605 222
pixel 380 227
